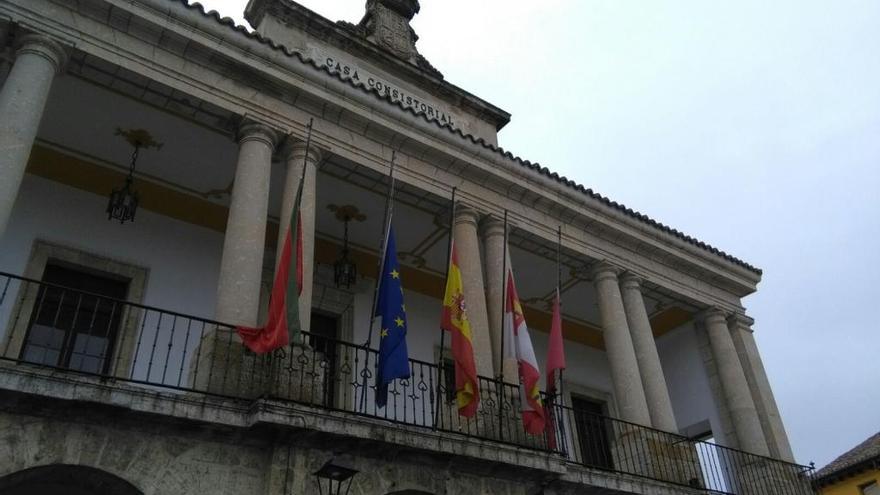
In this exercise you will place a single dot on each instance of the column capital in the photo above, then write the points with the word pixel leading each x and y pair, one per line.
pixel 251 130
pixel 491 226
pixel 294 149
pixel 713 314
pixel 465 213
pixel 740 320
pixel 630 280
pixel 602 270
pixel 42 46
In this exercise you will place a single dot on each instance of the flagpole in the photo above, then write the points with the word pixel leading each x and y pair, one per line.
pixel 440 361
pixel 384 243
pixel 389 199
pixel 503 331
pixel 308 145
pixel 561 392
pixel 297 200
pixel 302 182
pixel 559 288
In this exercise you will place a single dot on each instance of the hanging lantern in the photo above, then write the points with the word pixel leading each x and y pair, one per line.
pixel 344 269
pixel 124 200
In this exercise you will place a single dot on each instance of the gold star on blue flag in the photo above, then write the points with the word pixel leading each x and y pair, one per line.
pixel 393 357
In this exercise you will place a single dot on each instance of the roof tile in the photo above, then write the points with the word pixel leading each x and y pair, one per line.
pixel 865 451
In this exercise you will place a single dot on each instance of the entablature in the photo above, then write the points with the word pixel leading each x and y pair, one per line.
pixel 248 75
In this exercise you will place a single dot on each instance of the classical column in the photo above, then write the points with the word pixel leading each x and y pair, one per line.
pixel 22 100
pixel 734 385
pixel 467 246
pixel 492 231
pixel 295 158
pixel 744 340
pixel 241 266
pixel 653 380
pixel 628 389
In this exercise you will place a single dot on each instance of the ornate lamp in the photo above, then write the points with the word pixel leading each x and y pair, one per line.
pixel 334 476
pixel 124 200
pixel 344 269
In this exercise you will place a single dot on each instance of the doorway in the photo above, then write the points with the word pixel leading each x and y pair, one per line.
pixel 592 428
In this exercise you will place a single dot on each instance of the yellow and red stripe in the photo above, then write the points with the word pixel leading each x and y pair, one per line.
pixel 456 322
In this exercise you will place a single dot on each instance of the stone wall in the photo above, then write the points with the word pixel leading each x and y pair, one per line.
pixel 169 459
pixel 176 443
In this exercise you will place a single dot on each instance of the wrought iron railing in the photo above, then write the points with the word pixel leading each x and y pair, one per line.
pixel 615 445
pixel 59 327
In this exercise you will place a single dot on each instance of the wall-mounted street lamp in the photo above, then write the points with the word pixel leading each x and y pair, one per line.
pixel 332 477
pixel 124 200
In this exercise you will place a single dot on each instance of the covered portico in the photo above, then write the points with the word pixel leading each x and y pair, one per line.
pixel 232 128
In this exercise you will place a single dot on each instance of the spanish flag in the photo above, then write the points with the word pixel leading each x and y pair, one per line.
pixel 456 322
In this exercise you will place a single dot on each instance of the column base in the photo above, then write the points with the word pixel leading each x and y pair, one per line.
pixel 656 455
pixel 760 476
pixel 224 366
pixel 489 422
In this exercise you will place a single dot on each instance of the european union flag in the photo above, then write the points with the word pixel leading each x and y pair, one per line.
pixel 393 357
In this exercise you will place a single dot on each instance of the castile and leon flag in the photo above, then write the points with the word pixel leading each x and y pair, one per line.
pixel 518 347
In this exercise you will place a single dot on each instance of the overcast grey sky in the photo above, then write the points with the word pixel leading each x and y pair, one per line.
pixel 753 125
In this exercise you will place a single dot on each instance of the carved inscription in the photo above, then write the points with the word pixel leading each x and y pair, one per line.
pixel 396 94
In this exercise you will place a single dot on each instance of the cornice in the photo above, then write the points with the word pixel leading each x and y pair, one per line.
pixel 555 197
pixel 533 167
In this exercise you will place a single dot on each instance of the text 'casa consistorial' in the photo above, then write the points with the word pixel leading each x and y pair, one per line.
pixel 384 88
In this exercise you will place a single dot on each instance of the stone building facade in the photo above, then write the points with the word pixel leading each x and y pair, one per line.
pixel 121 371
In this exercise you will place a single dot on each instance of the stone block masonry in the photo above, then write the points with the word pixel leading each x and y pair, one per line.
pixel 180 443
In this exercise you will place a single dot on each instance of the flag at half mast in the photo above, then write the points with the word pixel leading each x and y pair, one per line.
pixel 393 361
pixel 555 365
pixel 518 347
pixel 455 321
pixel 555 352
pixel 283 320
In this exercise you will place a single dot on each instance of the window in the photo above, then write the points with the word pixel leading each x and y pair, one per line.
pixel 74 322
pixel 871 488
pixel 592 432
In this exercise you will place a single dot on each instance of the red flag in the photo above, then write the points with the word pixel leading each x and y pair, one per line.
pixel 555 352
pixel 283 317
pixel 555 364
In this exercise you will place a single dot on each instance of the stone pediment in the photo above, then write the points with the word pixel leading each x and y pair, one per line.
pixel 378 54
pixel 385 24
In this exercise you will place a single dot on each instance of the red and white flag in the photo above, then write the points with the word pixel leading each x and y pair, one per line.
pixel 518 347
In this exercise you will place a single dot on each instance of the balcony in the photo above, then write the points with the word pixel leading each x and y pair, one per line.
pixel 58 330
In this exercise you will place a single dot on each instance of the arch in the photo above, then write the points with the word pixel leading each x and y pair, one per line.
pixel 65 479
